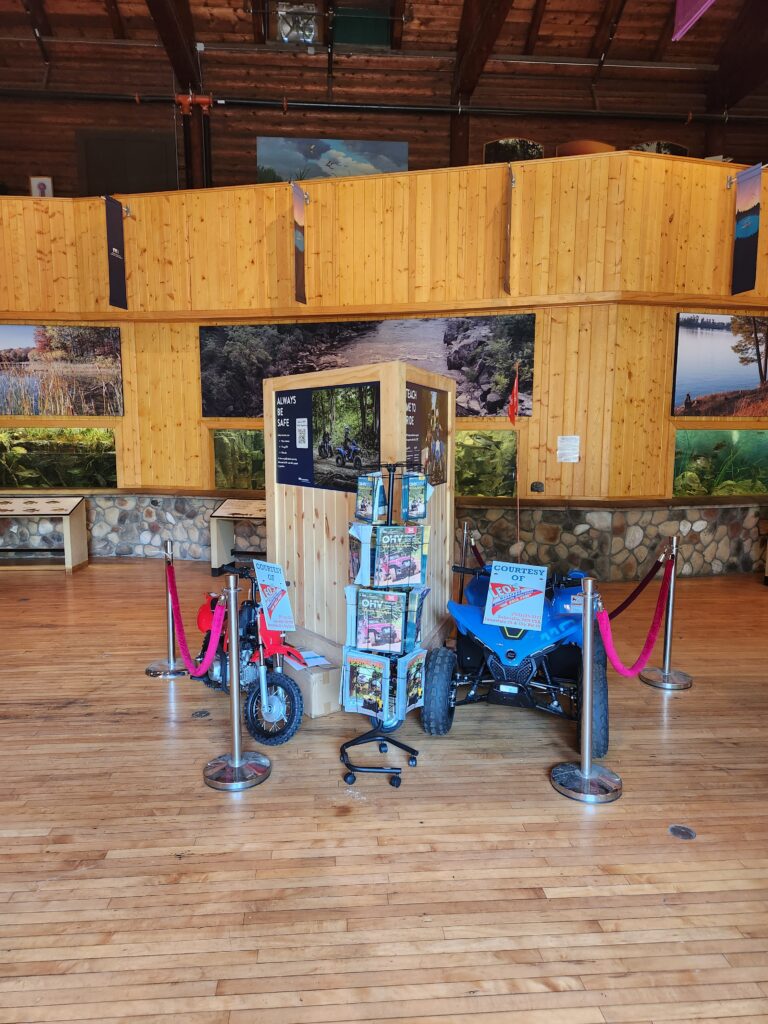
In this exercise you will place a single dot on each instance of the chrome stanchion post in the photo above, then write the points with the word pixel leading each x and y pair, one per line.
pixel 172 667
pixel 666 677
pixel 237 769
pixel 586 781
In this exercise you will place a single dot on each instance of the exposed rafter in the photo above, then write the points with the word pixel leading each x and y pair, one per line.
pixel 259 15
pixel 743 62
pixel 481 23
pixel 398 23
pixel 115 19
pixel 606 30
pixel 666 35
pixel 38 15
pixel 535 26
pixel 173 21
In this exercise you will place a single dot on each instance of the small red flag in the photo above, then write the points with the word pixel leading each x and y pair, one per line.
pixel 513 400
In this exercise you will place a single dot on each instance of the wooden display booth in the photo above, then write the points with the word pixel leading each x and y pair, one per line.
pixel 308 514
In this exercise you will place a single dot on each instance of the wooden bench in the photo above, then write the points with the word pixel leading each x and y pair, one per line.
pixel 71 511
pixel 222 526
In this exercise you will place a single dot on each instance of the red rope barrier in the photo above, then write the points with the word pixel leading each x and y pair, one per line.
pixel 637 591
pixel 604 624
pixel 216 627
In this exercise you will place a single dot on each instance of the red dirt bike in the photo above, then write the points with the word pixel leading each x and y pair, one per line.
pixel 273 705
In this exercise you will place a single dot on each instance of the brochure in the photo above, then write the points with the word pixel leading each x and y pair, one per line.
pixel 381 620
pixel 410 682
pixel 414 496
pixel 371 501
pixel 400 556
pixel 416 598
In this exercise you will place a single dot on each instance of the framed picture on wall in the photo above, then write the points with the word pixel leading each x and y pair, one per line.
pixel 41 188
pixel 721 365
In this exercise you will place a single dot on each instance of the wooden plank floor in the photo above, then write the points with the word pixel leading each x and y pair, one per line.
pixel 475 893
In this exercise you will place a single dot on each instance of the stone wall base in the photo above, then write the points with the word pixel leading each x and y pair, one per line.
pixel 616 544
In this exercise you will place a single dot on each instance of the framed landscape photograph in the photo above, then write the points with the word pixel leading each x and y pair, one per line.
pixel 721 365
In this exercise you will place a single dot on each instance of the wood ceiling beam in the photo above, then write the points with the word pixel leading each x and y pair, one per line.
pixel 259 15
pixel 115 19
pixel 606 30
pixel 535 26
pixel 481 23
pixel 398 23
pixel 743 63
pixel 38 15
pixel 666 35
pixel 173 21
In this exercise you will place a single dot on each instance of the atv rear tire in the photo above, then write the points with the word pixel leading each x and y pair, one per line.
pixel 599 700
pixel 439 689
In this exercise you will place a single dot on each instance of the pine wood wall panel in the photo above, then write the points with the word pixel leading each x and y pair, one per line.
pixel 605 250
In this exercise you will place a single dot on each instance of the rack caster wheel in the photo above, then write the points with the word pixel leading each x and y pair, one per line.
pixel 395 781
pixel 383 748
pixel 412 762
pixel 350 778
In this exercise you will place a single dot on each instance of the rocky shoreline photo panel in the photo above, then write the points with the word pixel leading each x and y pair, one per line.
pixel 479 352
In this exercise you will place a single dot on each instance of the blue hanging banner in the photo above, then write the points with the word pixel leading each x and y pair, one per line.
pixel 746 229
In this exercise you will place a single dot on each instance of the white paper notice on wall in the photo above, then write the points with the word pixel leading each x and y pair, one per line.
pixel 569 448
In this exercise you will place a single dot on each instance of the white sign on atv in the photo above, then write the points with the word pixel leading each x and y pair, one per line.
pixel 515 596
pixel 274 597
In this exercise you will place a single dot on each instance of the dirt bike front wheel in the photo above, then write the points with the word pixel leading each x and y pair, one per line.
pixel 285 717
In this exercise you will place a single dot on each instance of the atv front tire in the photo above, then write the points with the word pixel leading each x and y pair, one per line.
pixel 599 699
pixel 439 689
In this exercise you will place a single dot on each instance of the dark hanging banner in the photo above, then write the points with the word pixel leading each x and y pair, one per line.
pixel 508 232
pixel 118 295
pixel 746 229
pixel 299 210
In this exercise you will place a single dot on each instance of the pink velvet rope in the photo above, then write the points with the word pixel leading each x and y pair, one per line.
pixel 216 627
pixel 604 624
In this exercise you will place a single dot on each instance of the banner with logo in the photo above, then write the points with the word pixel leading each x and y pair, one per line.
pixel 515 596
pixel 299 220
pixel 118 295
pixel 746 229
pixel 274 596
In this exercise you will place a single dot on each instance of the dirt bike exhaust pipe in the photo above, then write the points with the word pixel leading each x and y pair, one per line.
pixel 585 781
pixel 236 770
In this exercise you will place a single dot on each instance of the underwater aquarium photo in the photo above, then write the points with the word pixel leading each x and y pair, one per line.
pixel 721 462
pixel 239 459
pixel 486 463
pixel 41 457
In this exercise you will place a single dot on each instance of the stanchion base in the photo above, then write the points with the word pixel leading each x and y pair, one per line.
pixel 166 670
pixel 672 680
pixel 221 773
pixel 601 787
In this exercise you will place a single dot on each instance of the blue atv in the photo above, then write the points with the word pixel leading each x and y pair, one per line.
pixel 517 667
pixel 349 451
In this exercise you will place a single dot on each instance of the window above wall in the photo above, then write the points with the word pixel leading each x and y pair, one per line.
pixel 310 23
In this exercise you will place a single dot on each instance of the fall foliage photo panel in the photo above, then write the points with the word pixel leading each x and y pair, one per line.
pixel 66 370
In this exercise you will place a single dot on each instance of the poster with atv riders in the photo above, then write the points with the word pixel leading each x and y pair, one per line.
pixel 426 431
pixel 324 437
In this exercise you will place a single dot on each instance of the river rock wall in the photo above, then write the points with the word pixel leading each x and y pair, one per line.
pixel 622 544
pixel 618 544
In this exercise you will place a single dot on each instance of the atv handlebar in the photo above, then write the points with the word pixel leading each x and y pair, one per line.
pixel 465 571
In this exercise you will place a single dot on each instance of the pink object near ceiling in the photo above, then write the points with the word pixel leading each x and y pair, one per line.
pixel 687 13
